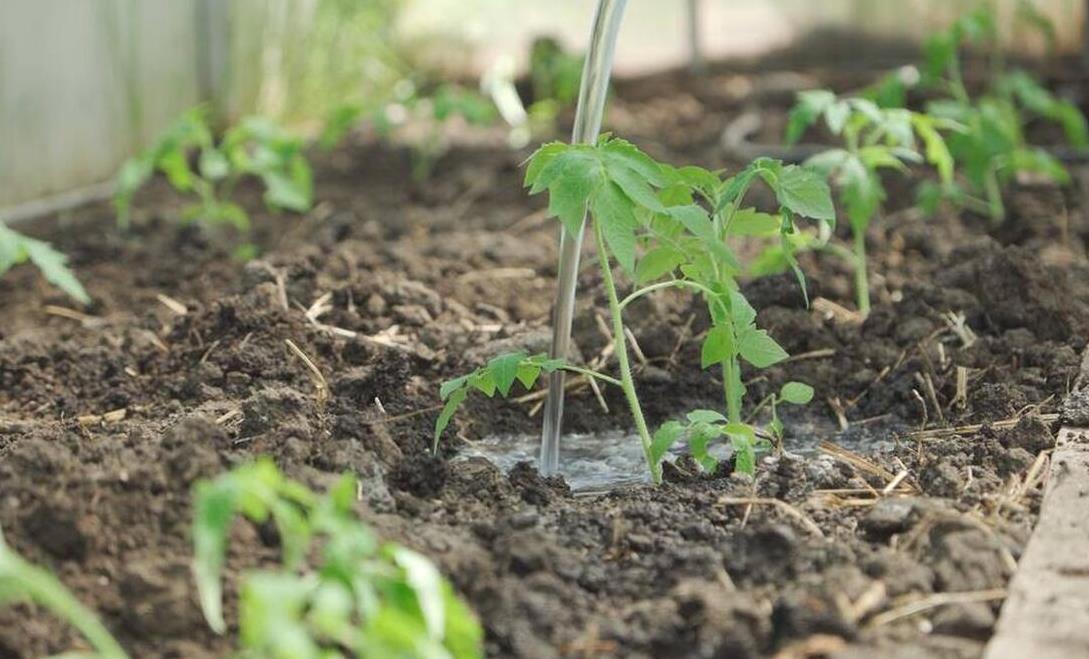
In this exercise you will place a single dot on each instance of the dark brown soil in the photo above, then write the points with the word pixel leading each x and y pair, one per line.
pixel 432 280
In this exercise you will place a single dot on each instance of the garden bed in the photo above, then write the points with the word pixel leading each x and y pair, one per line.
pixel 181 370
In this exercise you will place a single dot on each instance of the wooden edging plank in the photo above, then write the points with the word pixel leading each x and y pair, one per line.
pixel 1046 615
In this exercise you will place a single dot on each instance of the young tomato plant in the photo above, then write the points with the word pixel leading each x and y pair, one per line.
pixel 666 228
pixel 255 147
pixel 874 139
pixel 23 582
pixel 431 112
pixel 15 248
pixel 990 145
pixel 362 597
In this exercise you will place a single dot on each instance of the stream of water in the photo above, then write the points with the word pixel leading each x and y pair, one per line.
pixel 588 115
pixel 605 461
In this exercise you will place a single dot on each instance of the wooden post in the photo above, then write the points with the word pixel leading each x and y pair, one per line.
pixel 697 64
pixel 213 34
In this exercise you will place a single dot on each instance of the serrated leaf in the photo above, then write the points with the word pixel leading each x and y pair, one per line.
pixel 937 151
pixel 54 267
pixel 504 370
pixel 805 193
pixel 718 346
pixel 571 191
pixel 741 312
pixel 657 263
pixel 758 348
pixel 750 222
pixel 637 188
pixel 528 374
pixel 810 106
pixel 796 393
pixel 457 397
pixel 734 188
pixel 613 211
pixel 695 220
pixel 699 440
pixel 621 153
pixel 664 439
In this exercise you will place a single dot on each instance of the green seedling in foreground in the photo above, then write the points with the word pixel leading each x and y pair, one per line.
pixel 21 581
pixel 666 228
pixel 362 598
pixel 15 248
pixel 990 147
pixel 256 147
pixel 875 139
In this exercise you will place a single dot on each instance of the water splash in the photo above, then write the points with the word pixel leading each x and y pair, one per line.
pixel 605 461
pixel 588 115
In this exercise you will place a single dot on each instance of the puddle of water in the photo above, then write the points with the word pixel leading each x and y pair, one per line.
pixel 601 462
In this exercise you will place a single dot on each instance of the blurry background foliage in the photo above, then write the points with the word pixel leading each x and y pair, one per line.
pixel 87 84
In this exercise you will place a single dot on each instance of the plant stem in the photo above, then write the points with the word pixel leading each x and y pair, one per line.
pixel 593 374
pixel 620 347
pixel 673 283
pixel 862 281
pixel 733 388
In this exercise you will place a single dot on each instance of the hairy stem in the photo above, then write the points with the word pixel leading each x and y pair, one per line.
pixel 620 344
pixel 673 283
pixel 862 280
pixel 733 388
pixel 593 374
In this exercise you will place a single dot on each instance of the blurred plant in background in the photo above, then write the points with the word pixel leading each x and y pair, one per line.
pixel 256 146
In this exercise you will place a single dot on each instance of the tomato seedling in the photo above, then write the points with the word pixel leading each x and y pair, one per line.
pixel 990 146
pixel 874 139
pixel 257 147
pixel 665 227
pixel 15 248
pixel 434 109
pixel 362 596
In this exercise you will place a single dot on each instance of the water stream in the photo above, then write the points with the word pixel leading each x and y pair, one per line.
pixel 588 115
pixel 601 462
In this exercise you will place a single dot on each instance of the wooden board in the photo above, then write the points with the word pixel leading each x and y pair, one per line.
pixel 1047 613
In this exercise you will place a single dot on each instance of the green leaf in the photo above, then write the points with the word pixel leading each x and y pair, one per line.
pixel 624 154
pixel 613 211
pixel 426 584
pixel 284 192
pixel 657 263
pixel 750 222
pixel 741 312
pixel 53 266
pixel 504 370
pixel 700 437
pixel 213 164
pixel 536 164
pixel 796 393
pixel 744 453
pixel 578 178
pixel 937 151
pixel 759 349
pixel 457 397
pixel 636 187
pixel 810 106
pixel 805 193
pixel 705 416
pixel 450 386
pixel 718 346
pixel 664 439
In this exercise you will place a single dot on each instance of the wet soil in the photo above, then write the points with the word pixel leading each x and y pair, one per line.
pixel 108 417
